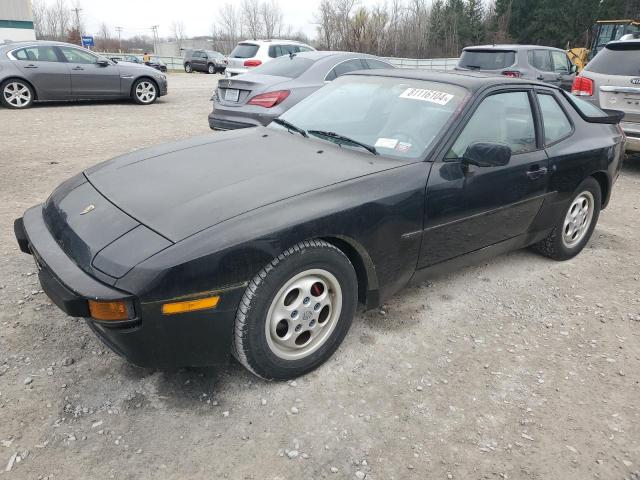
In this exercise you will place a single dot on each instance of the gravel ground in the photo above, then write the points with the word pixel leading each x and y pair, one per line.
pixel 518 368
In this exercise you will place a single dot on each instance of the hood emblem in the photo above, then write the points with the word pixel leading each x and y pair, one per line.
pixel 87 209
pixel 229 84
pixel 635 81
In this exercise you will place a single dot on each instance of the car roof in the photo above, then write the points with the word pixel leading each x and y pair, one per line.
pixel 28 43
pixel 510 46
pixel 472 81
pixel 321 54
pixel 274 41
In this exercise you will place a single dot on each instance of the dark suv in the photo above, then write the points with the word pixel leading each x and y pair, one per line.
pixel 204 61
pixel 533 62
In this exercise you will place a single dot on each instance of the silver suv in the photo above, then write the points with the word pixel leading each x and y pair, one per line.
pixel 533 62
pixel 253 53
pixel 612 81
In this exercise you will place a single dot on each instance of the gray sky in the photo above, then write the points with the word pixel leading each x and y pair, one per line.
pixel 136 16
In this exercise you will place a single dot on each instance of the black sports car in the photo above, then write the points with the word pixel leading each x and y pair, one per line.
pixel 263 241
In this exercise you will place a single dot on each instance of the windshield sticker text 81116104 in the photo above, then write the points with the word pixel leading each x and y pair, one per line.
pixel 433 96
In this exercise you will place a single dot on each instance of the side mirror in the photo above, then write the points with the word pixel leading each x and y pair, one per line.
pixel 574 68
pixel 102 62
pixel 484 154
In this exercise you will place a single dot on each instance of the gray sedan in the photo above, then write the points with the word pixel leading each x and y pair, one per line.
pixel 41 71
pixel 266 92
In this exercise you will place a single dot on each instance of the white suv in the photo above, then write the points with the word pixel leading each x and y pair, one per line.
pixel 252 53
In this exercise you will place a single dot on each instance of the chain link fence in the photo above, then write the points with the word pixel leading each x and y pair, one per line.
pixel 176 63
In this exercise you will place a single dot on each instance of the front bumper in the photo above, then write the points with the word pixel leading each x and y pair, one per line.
pixel 151 339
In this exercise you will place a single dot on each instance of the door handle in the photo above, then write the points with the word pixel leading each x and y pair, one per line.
pixel 536 173
pixel 77 68
pixel 31 65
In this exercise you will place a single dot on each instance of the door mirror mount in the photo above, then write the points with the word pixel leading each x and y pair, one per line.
pixel 485 154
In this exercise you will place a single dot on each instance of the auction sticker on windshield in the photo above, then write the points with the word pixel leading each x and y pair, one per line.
pixel 433 96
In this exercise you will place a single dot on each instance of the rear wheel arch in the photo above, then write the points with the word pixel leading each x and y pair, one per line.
pixel 603 180
pixel 363 265
pixel 21 79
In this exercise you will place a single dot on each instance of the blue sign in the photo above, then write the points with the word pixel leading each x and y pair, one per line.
pixel 87 41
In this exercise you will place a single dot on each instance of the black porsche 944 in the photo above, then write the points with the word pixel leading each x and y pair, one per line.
pixel 263 242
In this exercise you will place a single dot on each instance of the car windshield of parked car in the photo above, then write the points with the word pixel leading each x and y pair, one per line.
pixel 617 59
pixel 290 67
pixel 487 59
pixel 399 117
pixel 244 50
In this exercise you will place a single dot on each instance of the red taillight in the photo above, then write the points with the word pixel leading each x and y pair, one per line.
pixel 252 63
pixel 511 73
pixel 582 86
pixel 268 100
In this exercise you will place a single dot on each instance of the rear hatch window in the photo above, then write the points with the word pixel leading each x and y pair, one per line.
pixel 487 59
pixel 244 50
pixel 617 59
pixel 290 67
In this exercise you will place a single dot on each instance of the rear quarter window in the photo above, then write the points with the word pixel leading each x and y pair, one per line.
pixel 620 59
pixel 555 121
pixel 244 50
pixel 487 59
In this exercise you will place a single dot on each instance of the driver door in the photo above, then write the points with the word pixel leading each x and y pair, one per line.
pixel 88 78
pixel 470 207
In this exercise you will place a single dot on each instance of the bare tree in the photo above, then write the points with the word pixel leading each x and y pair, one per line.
pixel 251 18
pixel 271 18
pixel 178 31
pixel 229 25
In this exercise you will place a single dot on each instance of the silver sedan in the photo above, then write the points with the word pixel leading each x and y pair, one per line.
pixel 267 91
pixel 43 71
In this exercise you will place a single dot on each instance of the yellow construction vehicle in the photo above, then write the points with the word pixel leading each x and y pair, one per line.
pixel 603 32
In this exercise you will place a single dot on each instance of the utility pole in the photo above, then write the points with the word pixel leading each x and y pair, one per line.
pixel 77 12
pixel 154 29
pixel 119 30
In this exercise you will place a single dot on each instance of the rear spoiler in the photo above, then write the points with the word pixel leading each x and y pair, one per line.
pixel 613 117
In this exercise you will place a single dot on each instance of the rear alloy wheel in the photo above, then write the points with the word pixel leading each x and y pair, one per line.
pixel 211 69
pixel 188 68
pixel 16 94
pixel 574 229
pixel 144 92
pixel 296 311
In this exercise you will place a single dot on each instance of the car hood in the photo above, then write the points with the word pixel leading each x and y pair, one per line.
pixel 182 188
pixel 135 68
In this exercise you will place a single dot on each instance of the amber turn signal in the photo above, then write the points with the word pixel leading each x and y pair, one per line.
pixel 108 310
pixel 190 305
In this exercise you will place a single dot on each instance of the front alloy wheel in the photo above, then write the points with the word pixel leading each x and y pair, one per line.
pixel 211 69
pixel 145 92
pixel 16 94
pixel 296 311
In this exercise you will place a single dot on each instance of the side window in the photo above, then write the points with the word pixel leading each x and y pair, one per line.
pixel 349 66
pixel 304 49
pixel 560 62
pixel 541 60
pixel 75 55
pixel 502 118
pixel 556 123
pixel 376 63
pixel 36 54
pixel 331 75
pixel 272 51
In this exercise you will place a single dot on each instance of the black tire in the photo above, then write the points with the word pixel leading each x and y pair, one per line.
pixel 149 86
pixel 211 68
pixel 554 246
pixel 251 346
pixel 188 68
pixel 16 85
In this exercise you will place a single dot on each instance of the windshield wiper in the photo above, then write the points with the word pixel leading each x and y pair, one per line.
pixel 290 126
pixel 342 138
pixel 472 67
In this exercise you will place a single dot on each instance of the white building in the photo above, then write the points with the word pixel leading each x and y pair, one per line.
pixel 16 21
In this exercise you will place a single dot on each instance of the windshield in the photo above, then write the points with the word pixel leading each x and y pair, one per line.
pixel 291 67
pixel 487 59
pixel 244 50
pixel 399 117
pixel 617 59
